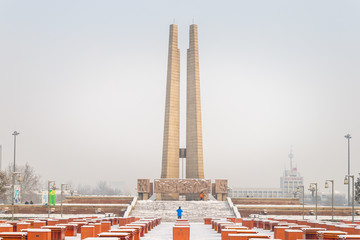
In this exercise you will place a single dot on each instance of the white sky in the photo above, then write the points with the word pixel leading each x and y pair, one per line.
pixel 84 83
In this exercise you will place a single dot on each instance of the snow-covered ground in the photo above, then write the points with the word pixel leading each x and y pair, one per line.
pixel 198 231
pixel 268 206
pixel 287 206
pixel 194 211
pixel 31 215
pixel 309 217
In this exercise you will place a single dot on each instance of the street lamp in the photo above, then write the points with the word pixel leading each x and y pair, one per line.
pixel 15 133
pixel 13 175
pixel 346 182
pixel 314 187
pixel 332 196
pixel 53 187
pixel 303 198
pixel 348 137
pixel 61 200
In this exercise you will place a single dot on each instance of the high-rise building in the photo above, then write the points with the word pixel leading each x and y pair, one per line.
pixel 289 183
pixel 291 179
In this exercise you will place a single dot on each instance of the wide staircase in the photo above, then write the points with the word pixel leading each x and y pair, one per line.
pixel 194 211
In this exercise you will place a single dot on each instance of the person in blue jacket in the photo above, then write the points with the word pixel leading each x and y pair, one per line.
pixel 179 212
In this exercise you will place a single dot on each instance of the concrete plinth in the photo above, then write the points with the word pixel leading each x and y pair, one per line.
pixel 143 196
pixel 167 197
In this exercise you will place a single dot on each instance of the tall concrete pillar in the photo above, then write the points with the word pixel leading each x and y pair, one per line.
pixel 194 146
pixel 170 156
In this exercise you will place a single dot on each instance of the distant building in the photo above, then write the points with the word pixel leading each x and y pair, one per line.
pixel 256 192
pixel 289 183
pixel 291 180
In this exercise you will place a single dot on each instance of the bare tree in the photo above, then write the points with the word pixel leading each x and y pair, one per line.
pixel 357 190
pixel 30 184
pixel 102 188
pixel 84 190
pixel 4 186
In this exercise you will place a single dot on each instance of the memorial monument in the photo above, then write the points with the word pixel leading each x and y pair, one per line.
pixel 194 147
pixel 170 155
pixel 170 186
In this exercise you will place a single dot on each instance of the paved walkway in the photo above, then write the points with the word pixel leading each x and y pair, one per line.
pixel 198 231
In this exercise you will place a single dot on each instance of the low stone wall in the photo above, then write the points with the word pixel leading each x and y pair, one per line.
pixel 266 201
pixel 98 199
pixel 245 211
pixel 118 209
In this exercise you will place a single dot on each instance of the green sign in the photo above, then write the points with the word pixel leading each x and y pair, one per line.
pixel 52 198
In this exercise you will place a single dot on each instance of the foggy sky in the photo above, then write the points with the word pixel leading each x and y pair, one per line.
pixel 84 84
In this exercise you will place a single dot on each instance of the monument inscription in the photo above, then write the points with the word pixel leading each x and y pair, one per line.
pixel 182 186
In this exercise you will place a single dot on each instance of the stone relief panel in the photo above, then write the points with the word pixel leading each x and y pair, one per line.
pixel 143 185
pixel 221 186
pixel 165 185
pixel 182 186
pixel 194 185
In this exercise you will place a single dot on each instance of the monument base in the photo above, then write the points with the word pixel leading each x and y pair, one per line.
pixel 143 196
pixel 171 189
pixel 196 197
pixel 167 196
pixel 221 196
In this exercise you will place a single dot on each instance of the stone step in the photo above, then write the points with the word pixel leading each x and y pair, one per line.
pixel 194 211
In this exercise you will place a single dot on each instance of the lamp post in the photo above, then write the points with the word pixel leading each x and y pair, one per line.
pixel 348 137
pixel 61 201
pixel 332 196
pixel 15 133
pixel 311 188
pixel 53 187
pixel 303 198
pixel 13 175
pixel 346 182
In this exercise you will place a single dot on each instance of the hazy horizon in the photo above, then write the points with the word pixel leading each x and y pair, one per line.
pixel 84 84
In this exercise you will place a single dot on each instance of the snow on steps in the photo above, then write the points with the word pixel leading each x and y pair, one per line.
pixel 194 211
